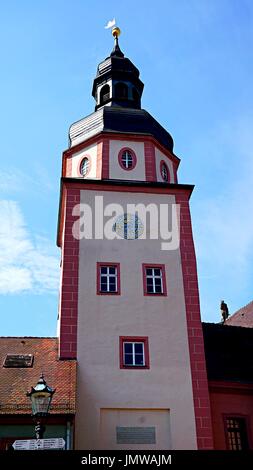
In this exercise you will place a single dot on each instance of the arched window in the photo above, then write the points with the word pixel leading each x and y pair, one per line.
pixel 104 94
pixel 121 91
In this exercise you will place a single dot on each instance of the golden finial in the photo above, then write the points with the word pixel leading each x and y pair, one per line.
pixel 116 52
pixel 116 32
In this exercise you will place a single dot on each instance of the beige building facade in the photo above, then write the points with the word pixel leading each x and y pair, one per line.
pixel 129 306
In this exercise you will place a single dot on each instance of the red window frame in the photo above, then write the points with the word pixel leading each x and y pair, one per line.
pixel 120 155
pixel 144 273
pixel 80 163
pixel 134 339
pixel 162 162
pixel 102 264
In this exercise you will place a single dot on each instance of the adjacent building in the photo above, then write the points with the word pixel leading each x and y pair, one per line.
pixel 228 351
pixel 22 360
pixel 243 317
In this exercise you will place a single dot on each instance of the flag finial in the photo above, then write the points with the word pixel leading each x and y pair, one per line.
pixel 110 24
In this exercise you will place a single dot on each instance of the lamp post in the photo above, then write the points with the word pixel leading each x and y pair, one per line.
pixel 41 396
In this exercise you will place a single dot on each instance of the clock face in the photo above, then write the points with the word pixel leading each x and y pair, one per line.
pixel 128 226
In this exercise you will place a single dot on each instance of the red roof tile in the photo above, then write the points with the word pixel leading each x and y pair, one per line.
pixel 15 382
pixel 243 317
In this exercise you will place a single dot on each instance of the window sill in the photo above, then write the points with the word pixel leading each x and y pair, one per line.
pixel 155 294
pixel 135 367
pixel 108 293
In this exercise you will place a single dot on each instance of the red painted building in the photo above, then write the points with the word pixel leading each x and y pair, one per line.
pixel 228 351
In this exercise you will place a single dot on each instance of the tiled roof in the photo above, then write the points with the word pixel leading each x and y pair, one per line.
pixel 243 317
pixel 229 352
pixel 120 120
pixel 15 382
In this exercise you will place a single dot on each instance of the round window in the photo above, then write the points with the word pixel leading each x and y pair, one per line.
pixel 85 166
pixel 127 159
pixel 164 172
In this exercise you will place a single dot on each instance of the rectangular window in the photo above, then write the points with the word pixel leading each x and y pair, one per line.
pixel 154 279
pixel 134 352
pixel 108 278
pixel 236 431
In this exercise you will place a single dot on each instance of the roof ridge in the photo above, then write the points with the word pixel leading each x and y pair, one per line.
pixel 30 337
pixel 242 308
pixel 222 325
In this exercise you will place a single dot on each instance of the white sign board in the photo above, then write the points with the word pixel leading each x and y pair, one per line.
pixel 39 444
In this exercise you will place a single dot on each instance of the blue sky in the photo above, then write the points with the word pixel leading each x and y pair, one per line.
pixel 195 58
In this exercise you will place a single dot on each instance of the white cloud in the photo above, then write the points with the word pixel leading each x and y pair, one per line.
pixel 26 263
pixel 14 279
pixel 223 223
pixel 10 181
pixel 15 180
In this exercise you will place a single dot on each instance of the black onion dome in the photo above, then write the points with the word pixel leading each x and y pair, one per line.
pixel 117 90
pixel 117 82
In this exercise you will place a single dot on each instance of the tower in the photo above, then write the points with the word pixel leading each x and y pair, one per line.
pixel 129 305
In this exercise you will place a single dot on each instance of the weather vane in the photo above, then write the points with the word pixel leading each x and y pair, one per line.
pixel 115 29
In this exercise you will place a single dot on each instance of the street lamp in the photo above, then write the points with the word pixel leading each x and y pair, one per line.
pixel 41 396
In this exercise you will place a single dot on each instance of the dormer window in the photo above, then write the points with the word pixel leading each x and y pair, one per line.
pixel 121 91
pixel 18 361
pixel 104 94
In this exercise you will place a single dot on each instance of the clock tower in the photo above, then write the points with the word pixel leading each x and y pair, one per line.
pixel 129 302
